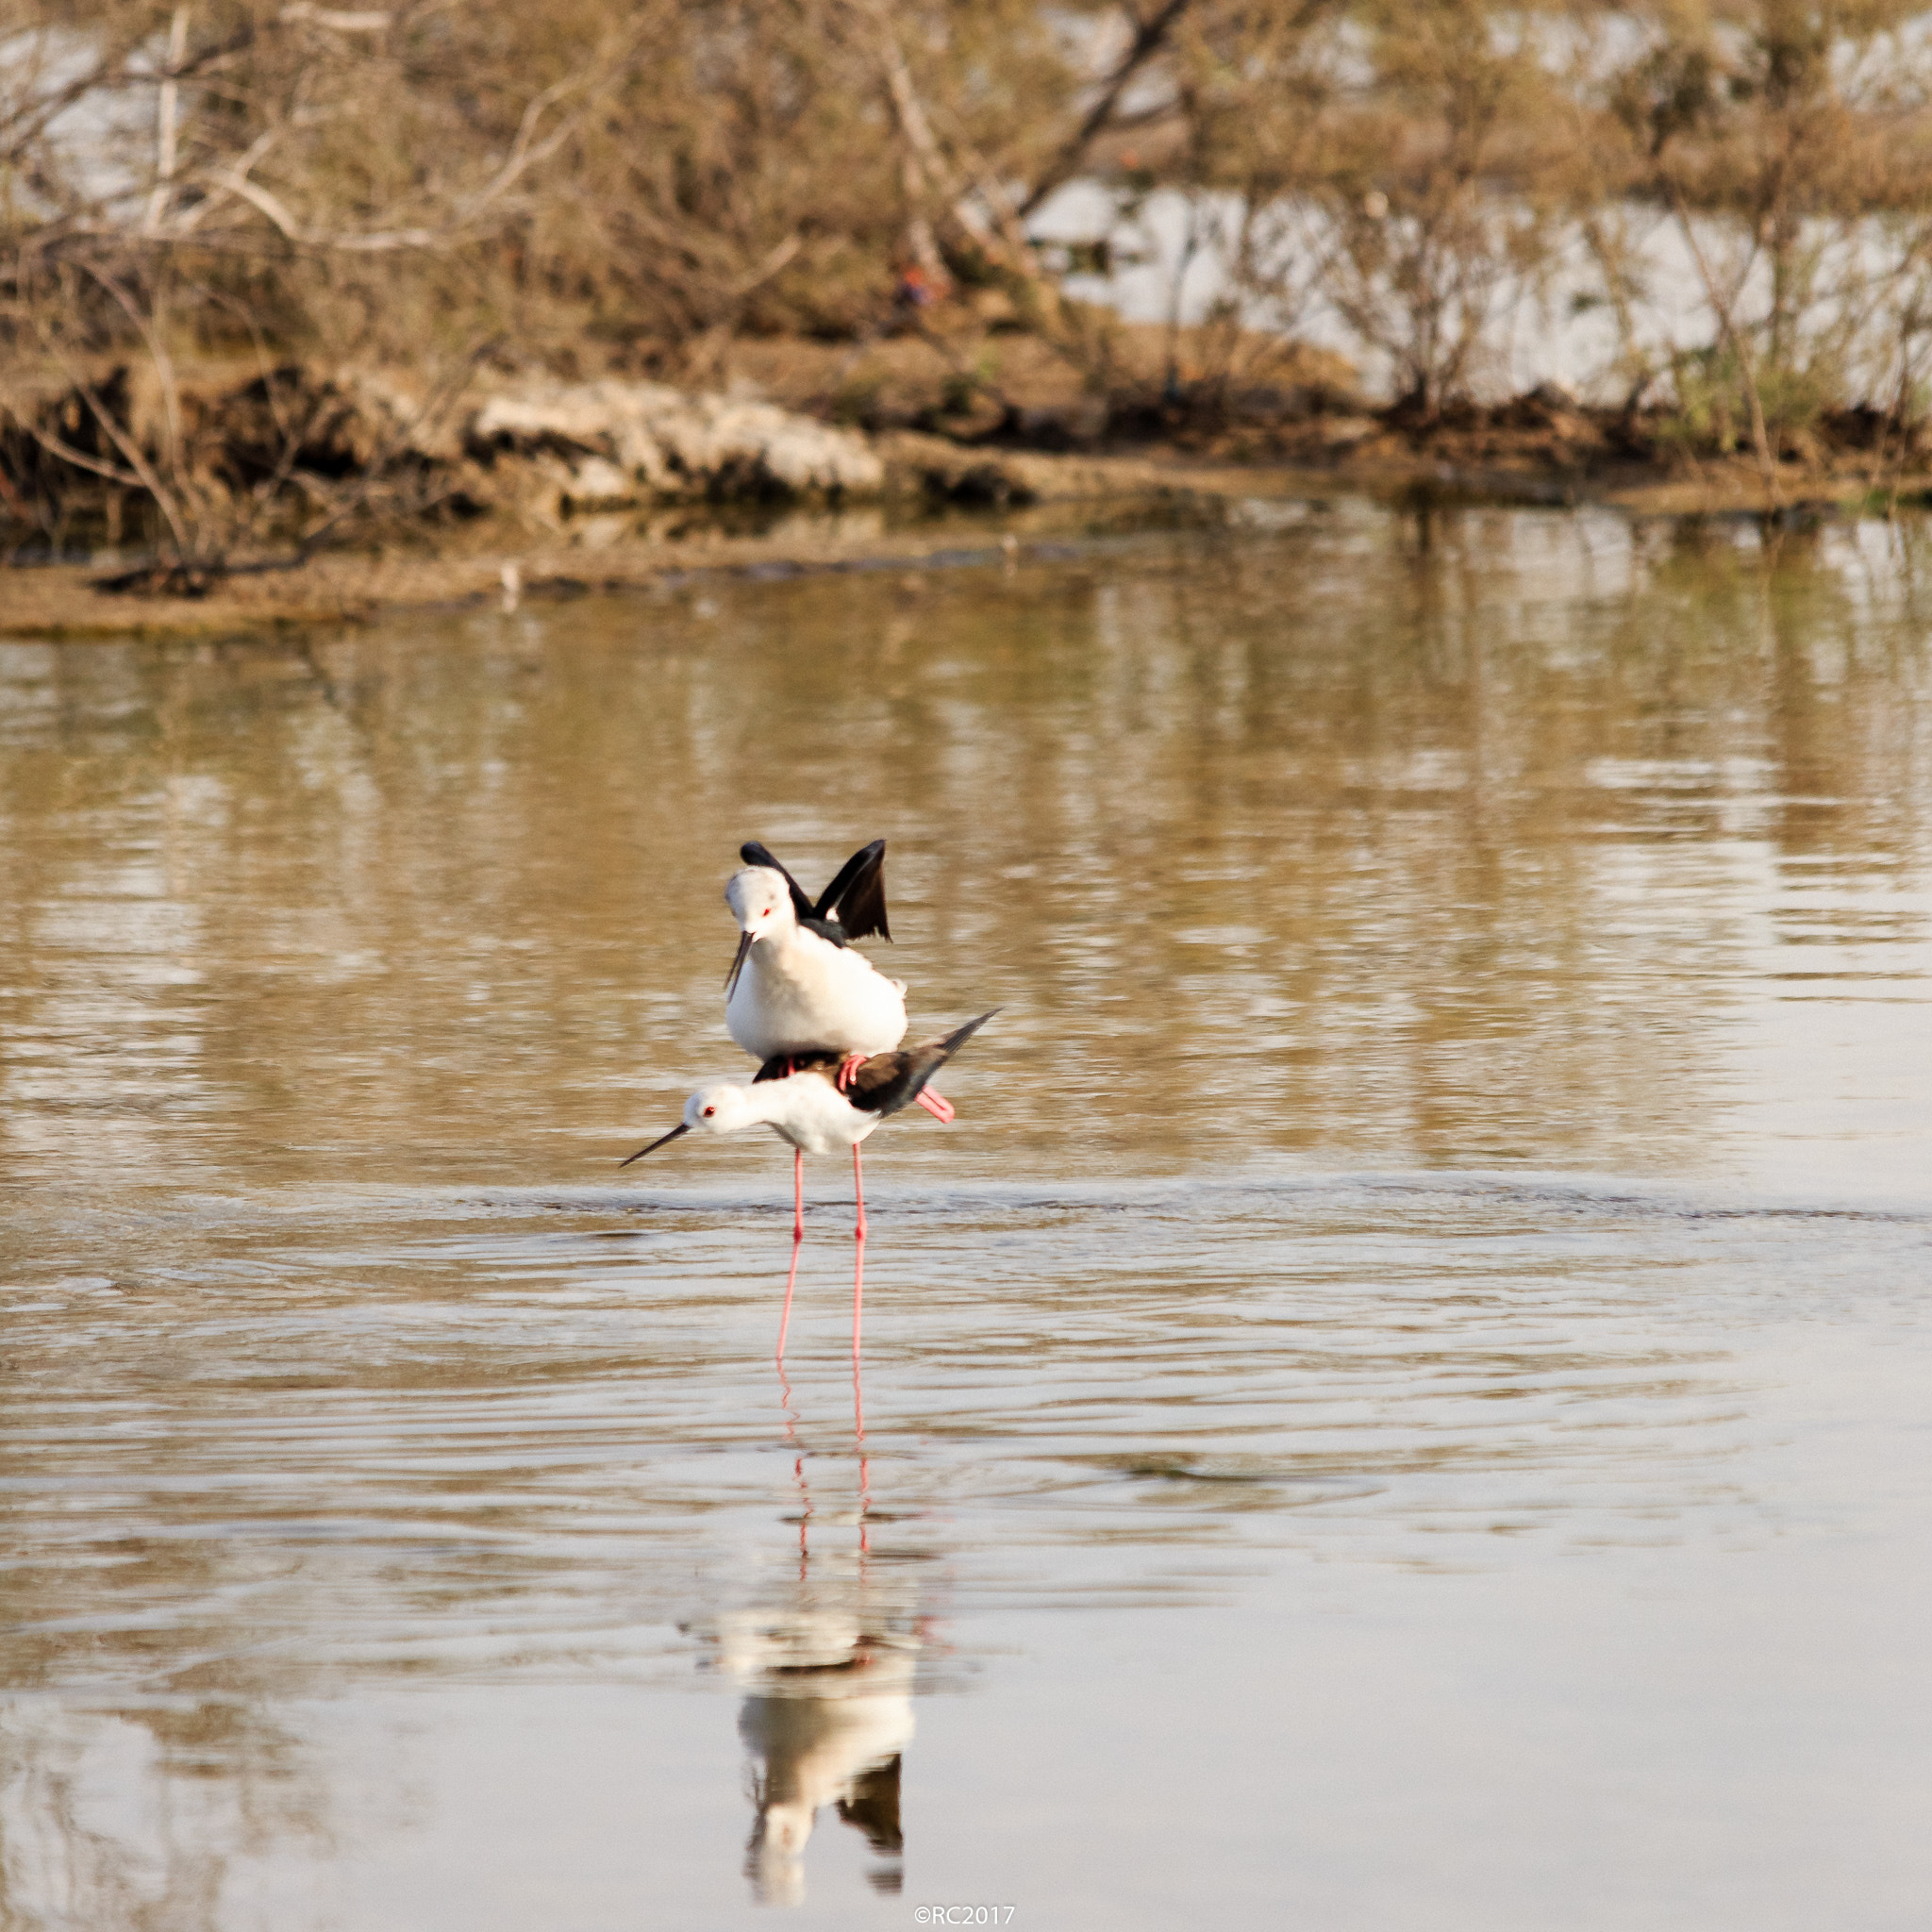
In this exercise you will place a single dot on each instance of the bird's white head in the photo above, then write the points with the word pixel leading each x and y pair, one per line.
pixel 719 1109
pixel 761 901
pixel 723 1107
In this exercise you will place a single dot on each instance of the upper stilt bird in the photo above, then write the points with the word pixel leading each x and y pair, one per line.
pixel 821 1101
pixel 796 986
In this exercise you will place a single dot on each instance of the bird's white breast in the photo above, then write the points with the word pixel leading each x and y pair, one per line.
pixel 808 1111
pixel 802 991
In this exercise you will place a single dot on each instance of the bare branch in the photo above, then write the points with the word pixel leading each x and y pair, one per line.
pixel 129 479
pixel 1150 36
pixel 143 474
pixel 773 263
pixel 1723 307
pixel 165 107
pixel 335 19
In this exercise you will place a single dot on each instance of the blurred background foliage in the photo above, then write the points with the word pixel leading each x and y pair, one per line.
pixel 588 187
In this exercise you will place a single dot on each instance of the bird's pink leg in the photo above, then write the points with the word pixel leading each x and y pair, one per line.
pixel 859 1252
pixel 790 1282
pixel 857 1384
pixel 797 1236
pixel 805 1511
pixel 858 1422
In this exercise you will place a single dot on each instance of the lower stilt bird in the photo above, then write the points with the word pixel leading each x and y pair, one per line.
pixel 822 1101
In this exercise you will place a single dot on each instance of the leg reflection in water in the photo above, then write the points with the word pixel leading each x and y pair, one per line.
pixel 829 1676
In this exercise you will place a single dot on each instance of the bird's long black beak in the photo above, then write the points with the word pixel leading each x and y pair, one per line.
pixel 680 1129
pixel 738 964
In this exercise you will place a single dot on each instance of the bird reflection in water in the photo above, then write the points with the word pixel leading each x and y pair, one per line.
pixel 828 1672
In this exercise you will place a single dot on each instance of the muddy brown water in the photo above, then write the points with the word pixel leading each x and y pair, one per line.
pixel 1399 1401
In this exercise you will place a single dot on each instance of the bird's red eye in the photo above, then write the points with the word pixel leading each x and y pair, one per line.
pixel 709 1111
pixel 766 913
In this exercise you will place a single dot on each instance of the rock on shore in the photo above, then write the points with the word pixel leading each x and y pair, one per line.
pixel 600 445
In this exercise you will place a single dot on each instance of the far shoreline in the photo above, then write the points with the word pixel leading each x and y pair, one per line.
pixel 1041 501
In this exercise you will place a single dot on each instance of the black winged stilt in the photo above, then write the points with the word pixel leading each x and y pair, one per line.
pixel 796 985
pixel 821 1101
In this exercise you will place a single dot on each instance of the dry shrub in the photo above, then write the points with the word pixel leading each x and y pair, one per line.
pixel 1789 145
pixel 416 184
pixel 576 186
pixel 1442 189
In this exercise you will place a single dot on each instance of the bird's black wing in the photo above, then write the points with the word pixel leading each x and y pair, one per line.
pixel 889 1081
pixel 857 898
pixel 754 853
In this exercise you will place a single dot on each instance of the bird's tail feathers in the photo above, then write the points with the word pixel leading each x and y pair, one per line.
pixel 961 1035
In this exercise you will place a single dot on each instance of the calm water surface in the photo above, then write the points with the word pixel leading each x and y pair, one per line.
pixel 1402 1400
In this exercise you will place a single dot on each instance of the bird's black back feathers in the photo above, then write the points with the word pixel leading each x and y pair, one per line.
pixel 884 1082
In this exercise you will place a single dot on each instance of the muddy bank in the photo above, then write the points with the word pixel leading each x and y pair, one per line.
pixel 1050 505
pixel 611 553
pixel 539 488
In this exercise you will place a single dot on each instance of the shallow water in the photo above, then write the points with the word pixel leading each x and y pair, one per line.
pixel 1399 1401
